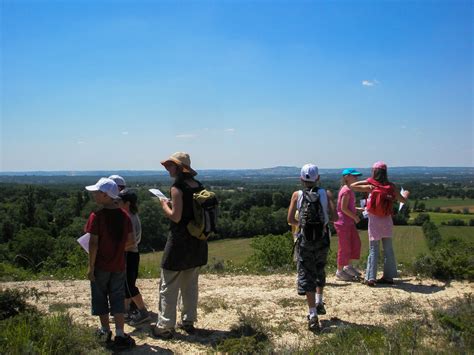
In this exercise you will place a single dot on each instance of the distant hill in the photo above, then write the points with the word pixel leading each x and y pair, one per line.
pixel 273 173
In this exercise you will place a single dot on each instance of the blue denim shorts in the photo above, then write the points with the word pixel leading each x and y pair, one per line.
pixel 108 289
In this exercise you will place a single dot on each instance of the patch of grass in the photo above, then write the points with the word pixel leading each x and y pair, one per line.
pixel 291 302
pixel 248 336
pixel 33 333
pixel 63 307
pixel 24 330
pixel 394 306
pixel 211 304
pixel 464 233
pixel 457 319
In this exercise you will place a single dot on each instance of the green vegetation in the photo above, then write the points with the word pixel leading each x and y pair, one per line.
pixel 448 258
pixel 454 203
pixel 439 217
pixel 24 330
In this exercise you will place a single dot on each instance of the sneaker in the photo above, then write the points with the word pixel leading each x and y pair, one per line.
pixel 125 342
pixel 344 276
pixel 163 333
pixel 188 327
pixel 320 308
pixel 128 316
pixel 140 317
pixel 351 270
pixel 105 336
pixel 313 323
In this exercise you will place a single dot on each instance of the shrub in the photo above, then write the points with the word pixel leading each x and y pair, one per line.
pixel 432 235
pixel 13 302
pixel 421 219
pixel 454 259
pixel 455 222
pixel 272 252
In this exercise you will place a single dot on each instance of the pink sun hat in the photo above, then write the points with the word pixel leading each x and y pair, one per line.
pixel 379 165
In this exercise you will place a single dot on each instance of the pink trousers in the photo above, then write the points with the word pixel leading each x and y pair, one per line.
pixel 348 245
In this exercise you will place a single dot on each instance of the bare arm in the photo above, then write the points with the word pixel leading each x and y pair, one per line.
pixel 345 209
pixel 93 246
pixel 292 209
pixel 362 186
pixel 331 206
pixel 131 243
pixel 173 211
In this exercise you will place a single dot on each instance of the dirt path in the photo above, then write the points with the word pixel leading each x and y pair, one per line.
pixel 272 298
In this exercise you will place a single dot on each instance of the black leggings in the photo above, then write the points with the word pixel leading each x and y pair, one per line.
pixel 133 259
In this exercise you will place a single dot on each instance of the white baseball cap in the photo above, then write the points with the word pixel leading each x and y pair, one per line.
pixel 107 186
pixel 309 172
pixel 120 181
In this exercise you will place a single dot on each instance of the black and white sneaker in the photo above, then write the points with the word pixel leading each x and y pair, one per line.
pixel 105 336
pixel 139 318
pixel 313 323
pixel 320 308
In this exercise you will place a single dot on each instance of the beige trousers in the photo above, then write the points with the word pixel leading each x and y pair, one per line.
pixel 173 283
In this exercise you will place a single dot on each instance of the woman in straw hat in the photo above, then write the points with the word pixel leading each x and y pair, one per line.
pixel 184 254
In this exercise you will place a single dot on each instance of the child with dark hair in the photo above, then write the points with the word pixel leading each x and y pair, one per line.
pixel 128 202
pixel 382 191
pixel 110 230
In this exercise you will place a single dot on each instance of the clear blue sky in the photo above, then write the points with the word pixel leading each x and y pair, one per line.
pixel 89 85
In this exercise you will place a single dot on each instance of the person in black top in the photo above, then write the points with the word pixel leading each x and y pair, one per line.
pixel 183 255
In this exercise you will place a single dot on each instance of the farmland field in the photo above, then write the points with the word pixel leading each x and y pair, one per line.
pixel 453 203
pixel 439 217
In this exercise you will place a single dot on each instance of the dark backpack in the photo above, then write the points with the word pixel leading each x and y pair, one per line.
pixel 381 199
pixel 311 215
pixel 205 210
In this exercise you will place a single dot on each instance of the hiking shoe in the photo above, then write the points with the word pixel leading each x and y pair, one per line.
pixel 188 327
pixel 128 316
pixel 320 308
pixel 313 323
pixel 104 336
pixel 344 276
pixel 140 317
pixel 163 333
pixel 370 283
pixel 349 269
pixel 125 342
pixel 385 281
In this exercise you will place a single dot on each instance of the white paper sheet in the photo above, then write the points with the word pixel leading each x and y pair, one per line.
pixel 84 241
pixel 158 194
pixel 402 192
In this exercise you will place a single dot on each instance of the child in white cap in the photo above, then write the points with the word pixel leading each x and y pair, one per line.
pixel 110 229
pixel 315 207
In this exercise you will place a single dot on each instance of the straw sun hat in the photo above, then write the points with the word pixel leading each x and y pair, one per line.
pixel 181 159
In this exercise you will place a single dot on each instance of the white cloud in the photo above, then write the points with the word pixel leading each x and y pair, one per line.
pixel 370 82
pixel 231 130
pixel 125 133
pixel 81 142
pixel 404 127
pixel 186 136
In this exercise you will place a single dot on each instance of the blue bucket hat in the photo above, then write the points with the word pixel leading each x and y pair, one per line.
pixel 351 171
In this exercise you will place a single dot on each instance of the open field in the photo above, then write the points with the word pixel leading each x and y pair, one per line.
pixel 465 233
pixel 408 243
pixel 453 203
pixel 439 217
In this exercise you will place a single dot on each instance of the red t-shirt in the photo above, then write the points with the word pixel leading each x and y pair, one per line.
pixel 112 226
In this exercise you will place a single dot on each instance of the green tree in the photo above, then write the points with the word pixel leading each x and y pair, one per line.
pixel 31 247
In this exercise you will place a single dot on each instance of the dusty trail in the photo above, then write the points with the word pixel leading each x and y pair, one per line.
pixel 273 298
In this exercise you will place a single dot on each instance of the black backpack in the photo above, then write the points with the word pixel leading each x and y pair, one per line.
pixel 311 215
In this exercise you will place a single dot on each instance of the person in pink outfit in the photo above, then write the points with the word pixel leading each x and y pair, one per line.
pixel 348 237
pixel 380 189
